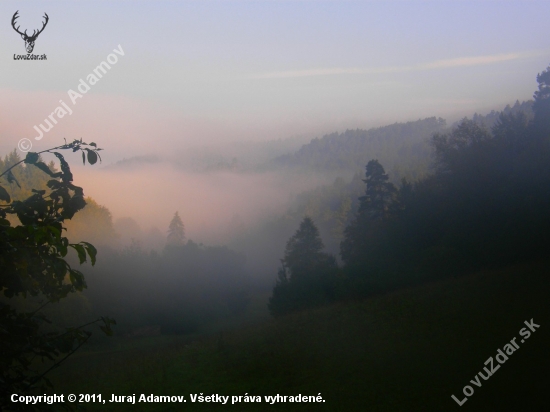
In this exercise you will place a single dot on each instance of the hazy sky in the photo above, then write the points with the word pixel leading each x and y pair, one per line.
pixel 199 71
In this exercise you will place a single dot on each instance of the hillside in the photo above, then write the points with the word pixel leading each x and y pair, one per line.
pixel 403 144
pixel 406 351
pixel 489 120
pixel 403 148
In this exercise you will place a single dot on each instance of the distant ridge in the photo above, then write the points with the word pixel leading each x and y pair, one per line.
pixel 398 146
pixel 398 143
pixel 135 161
pixel 491 118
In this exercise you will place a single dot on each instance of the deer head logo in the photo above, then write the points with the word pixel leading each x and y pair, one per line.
pixel 29 40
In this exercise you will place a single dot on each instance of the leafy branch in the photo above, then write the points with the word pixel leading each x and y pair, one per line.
pixel 91 151
pixel 32 257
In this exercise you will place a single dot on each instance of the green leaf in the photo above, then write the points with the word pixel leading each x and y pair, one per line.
pixel 83 158
pixel 11 179
pixel 56 232
pixel 77 279
pixel 92 251
pixel 54 184
pixel 106 328
pixel 93 144
pixel 44 167
pixel 66 175
pixel 4 195
pixel 81 252
pixel 92 157
pixel 32 158
pixel 62 250
pixel 108 320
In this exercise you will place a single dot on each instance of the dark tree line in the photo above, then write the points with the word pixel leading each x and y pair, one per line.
pixel 403 144
pixel 184 288
pixel 486 204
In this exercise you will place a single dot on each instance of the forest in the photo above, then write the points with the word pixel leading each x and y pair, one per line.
pixel 418 215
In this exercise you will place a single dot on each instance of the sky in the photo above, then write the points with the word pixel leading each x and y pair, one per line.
pixel 216 71
pixel 201 73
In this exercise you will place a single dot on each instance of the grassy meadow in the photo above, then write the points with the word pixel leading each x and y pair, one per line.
pixel 405 351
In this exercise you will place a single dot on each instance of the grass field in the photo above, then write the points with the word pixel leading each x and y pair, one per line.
pixel 406 351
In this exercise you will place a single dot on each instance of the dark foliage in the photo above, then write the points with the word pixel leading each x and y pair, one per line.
pixel 541 107
pixel 307 276
pixel 186 288
pixel 361 239
pixel 33 261
pixel 176 231
pixel 490 119
pixel 486 205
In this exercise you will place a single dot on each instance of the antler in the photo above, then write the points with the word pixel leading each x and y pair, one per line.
pixel 34 35
pixel 15 17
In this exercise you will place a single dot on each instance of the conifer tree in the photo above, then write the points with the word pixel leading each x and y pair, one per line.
pixel 176 231
pixel 379 203
pixel 304 250
pixel 379 194
pixel 306 277
pixel 541 107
